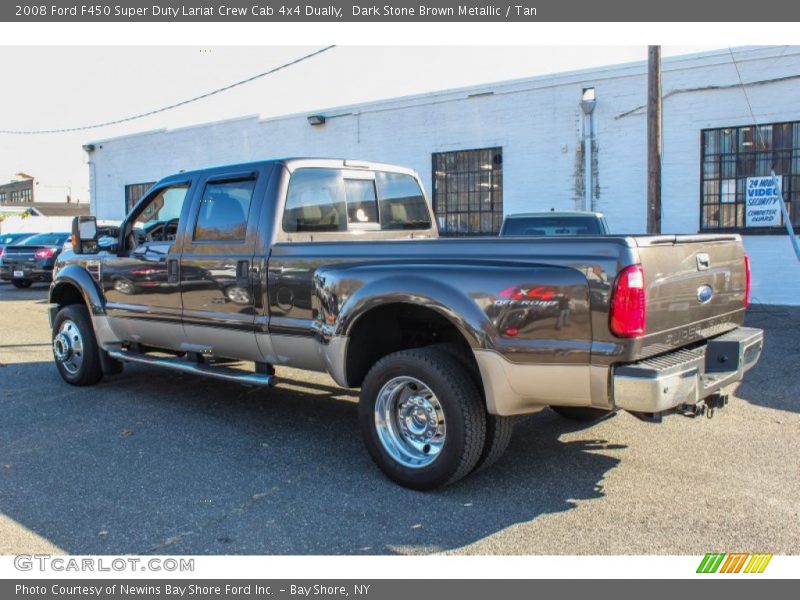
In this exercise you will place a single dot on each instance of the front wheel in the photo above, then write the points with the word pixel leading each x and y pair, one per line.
pixel 75 346
pixel 422 418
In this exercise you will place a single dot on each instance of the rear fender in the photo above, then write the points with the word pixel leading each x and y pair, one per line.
pixel 341 299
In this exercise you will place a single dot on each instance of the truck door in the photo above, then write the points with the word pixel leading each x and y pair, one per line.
pixel 140 282
pixel 218 277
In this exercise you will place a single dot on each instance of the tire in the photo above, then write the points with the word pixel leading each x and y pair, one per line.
pixel 581 413
pixel 440 400
pixel 21 284
pixel 498 429
pixel 75 347
pixel 498 436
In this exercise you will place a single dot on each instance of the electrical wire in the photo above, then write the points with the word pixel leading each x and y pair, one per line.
pixel 170 106
pixel 757 128
pixel 746 96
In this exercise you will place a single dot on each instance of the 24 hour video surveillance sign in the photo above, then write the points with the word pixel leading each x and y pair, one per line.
pixel 762 203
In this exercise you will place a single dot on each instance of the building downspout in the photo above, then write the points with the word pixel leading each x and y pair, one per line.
pixel 89 149
pixel 588 102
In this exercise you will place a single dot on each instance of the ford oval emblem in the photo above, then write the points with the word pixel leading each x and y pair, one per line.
pixel 704 293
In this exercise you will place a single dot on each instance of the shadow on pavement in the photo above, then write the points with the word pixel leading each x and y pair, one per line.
pixel 153 462
pixel 37 291
pixel 775 381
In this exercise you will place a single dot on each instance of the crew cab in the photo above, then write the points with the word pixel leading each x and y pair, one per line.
pixel 335 266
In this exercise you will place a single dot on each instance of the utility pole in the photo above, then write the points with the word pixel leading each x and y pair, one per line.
pixel 654 139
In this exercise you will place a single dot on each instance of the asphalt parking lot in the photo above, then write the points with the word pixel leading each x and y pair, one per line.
pixel 150 462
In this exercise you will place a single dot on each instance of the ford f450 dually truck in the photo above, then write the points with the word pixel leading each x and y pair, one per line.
pixel 335 266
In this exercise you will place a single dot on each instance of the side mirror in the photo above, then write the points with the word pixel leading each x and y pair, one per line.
pixel 84 234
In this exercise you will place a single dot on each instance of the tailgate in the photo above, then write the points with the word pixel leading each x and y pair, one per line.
pixel 695 286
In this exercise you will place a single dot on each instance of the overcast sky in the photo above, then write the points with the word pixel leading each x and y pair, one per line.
pixel 60 87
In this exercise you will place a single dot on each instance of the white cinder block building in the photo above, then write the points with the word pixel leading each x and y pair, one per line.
pixel 517 146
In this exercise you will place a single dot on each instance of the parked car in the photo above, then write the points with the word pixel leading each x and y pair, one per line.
pixel 7 239
pixel 337 267
pixel 555 223
pixel 31 259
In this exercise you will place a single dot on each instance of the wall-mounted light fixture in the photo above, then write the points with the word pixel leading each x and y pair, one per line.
pixel 588 100
pixel 316 120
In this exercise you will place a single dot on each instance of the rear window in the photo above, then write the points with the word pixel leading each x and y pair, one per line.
pixel 402 204
pixel 45 239
pixel 532 226
pixel 11 238
pixel 315 201
pixel 338 200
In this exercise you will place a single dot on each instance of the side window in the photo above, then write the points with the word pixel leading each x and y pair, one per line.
pixel 362 204
pixel 223 212
pixel 402 205
pixel 315 201
pixel 158 220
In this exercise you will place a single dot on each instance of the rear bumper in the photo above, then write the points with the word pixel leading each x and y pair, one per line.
pixel 687 376
pixel 32 274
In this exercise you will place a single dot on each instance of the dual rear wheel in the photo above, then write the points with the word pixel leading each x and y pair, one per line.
pixel 423 419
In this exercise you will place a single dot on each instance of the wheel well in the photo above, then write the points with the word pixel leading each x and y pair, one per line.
pixel 66 294
pixel 394 327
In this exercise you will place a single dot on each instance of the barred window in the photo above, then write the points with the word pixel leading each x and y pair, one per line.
pixel 468 191
pixel 733 155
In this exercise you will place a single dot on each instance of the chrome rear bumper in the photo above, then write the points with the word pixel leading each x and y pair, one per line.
pixel 686 376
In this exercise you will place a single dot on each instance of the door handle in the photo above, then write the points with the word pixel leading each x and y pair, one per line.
pixel 172 270
pixel 242 269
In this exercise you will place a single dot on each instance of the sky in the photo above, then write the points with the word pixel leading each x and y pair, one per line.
pixel 62 87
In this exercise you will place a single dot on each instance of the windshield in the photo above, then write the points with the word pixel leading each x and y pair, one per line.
pixel 45 239
pixel 566 225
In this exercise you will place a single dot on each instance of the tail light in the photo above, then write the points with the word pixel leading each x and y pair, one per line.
pixel 628 315
pixel 44 253
pixel 746 281
pixel 1 251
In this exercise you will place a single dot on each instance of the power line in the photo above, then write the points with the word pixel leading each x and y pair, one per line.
pixel 746 96
pixel 171 106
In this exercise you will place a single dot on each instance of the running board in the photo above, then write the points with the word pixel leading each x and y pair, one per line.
pixel 177 364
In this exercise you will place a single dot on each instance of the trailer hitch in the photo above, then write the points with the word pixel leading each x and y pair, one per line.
pixel 715 401
pixel 707 406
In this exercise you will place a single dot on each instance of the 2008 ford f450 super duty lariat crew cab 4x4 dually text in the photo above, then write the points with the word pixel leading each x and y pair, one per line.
pixel 332 265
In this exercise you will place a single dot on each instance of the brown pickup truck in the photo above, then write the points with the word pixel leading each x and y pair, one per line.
pixel 335 266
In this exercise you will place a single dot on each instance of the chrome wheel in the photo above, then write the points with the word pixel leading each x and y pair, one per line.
pixel 68 347
pixel 410 422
